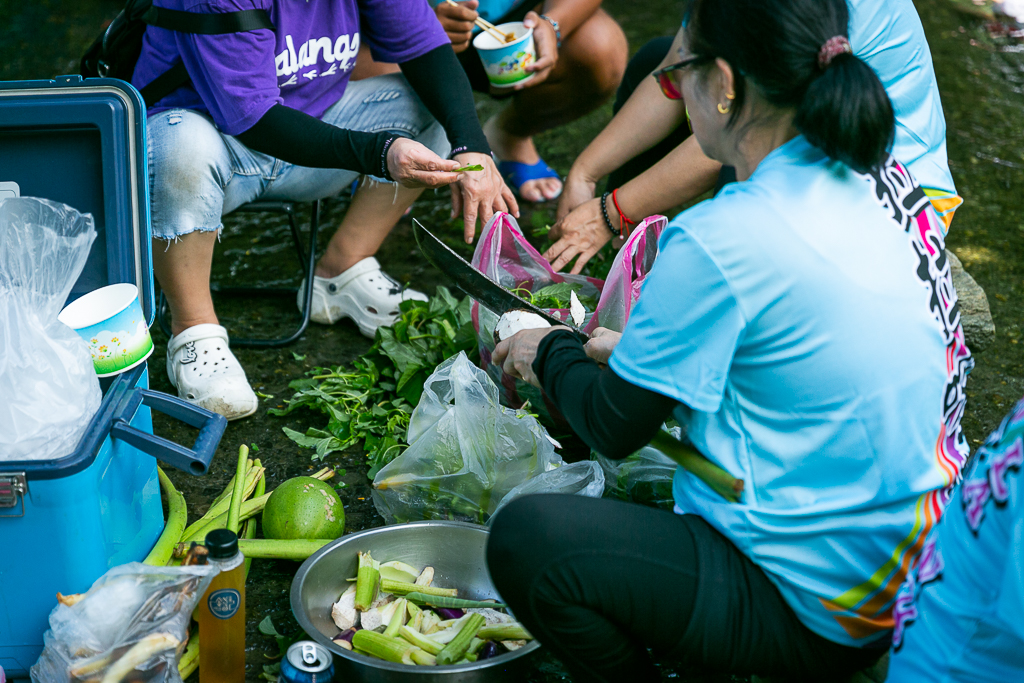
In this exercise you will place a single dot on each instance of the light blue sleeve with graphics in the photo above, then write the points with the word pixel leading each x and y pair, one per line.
pixel 960 615
pixel 682 334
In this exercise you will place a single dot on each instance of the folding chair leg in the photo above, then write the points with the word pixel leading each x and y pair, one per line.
pixel 308 267
pixel 307 261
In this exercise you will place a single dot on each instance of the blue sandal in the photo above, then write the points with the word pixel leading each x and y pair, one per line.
pixel 517 174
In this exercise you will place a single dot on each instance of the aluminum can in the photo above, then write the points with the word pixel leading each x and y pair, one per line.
pixel 307 662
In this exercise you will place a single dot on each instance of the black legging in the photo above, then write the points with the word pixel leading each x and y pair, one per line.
pixel 598 582
pixel 645 61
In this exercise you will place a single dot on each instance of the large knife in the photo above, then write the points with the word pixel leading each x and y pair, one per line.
pixel 476 284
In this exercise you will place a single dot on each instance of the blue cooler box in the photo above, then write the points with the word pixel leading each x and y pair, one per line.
pixel 64 523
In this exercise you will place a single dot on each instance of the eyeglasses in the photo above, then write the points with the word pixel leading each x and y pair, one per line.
pixel 668 88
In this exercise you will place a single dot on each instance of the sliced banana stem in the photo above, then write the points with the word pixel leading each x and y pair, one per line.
pixel 382 647
pixel 420 640
pixel 459 645
pixel 426 577
pixel 398 617
pixel 366 582
pixel 138 654
pixel 189 661
pixel 512 630
pixel 423 658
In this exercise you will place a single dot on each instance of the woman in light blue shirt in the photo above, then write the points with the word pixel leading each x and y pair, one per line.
pixel 803 329
pixel 653 166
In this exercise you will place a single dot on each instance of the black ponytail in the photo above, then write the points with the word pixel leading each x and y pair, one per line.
pixel 841 106
pixel 847 114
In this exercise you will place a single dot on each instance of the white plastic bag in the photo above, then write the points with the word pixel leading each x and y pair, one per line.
pixel 48 387
pixel 131 625
pixel 467 452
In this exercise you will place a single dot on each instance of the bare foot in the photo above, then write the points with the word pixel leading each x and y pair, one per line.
pixel 511 148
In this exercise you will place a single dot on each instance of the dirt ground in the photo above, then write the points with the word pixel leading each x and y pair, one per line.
pixel 982 88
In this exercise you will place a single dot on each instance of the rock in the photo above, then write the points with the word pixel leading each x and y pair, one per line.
pixel 975 315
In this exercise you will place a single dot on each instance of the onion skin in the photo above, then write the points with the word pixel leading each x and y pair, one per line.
pixel 446 614
pixel 490 649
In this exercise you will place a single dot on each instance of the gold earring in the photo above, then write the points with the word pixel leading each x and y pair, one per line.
pixel 730 96
pixel 722 109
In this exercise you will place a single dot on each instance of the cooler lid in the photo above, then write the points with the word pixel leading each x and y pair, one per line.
pixel 83 143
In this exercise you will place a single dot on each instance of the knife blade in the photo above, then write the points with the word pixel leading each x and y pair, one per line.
pixel 476 284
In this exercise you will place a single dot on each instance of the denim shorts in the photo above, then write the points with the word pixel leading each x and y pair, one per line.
pixel 198 174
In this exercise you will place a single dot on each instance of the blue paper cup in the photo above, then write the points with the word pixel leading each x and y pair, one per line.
pixel 111 322
pixel 505 63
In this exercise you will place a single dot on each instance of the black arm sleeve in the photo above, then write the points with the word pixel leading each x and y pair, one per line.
pixel 290 135
pixel 442 84
pixel 612 416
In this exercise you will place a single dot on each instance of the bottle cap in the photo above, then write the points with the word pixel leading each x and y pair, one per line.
pixel 222 544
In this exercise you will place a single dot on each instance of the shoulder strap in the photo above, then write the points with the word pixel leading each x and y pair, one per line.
pixel 194 22
pixel 208 24
pixel 164 84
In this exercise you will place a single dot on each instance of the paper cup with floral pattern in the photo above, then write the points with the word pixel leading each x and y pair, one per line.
pixel 505 63
pixel 111 322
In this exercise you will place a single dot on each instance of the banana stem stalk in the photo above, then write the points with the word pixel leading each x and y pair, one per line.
pixel 723 483
pixel 177 514
pixel 238 494
pixel 293 549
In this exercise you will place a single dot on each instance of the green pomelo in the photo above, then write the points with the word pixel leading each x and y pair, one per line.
pixel 303 507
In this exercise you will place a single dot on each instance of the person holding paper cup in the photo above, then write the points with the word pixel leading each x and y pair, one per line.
pixel 270 113
pixel 579 59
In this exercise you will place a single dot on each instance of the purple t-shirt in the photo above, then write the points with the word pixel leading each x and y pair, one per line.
pixel 305 64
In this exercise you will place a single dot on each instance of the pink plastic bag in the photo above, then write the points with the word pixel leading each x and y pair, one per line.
pixel 505 256
pixel 628 272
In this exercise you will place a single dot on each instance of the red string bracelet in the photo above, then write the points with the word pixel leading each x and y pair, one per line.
pixel 623 218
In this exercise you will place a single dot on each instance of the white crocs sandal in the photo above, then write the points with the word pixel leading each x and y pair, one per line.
pixel 364 293
pixel 205 372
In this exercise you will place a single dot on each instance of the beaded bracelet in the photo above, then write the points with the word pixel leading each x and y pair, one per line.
pixel 557 27
pixel 604 210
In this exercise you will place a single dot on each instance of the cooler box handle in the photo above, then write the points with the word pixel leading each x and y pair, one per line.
pixel 195 460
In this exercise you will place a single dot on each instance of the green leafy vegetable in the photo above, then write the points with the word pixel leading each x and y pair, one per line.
pixel 474 167
pixel 372 398
pixel 556 296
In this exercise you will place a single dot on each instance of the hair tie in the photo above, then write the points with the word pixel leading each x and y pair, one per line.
pixel 832 48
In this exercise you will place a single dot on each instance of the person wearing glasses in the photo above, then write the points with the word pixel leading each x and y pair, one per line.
pixel 653 165
pixel 803 330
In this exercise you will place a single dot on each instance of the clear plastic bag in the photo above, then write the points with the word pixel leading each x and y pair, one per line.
pixel 466 452
pixel 584 478
pixel 131 625
pixel 645 477
pixel 505 256
pixel 49 391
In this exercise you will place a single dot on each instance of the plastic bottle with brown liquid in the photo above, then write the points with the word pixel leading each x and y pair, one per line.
pixel 222 613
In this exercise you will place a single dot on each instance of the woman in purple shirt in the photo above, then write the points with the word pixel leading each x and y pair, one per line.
pixel 271 114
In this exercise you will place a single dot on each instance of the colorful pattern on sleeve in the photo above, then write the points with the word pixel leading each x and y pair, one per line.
pixel 968 626
pixel 866 610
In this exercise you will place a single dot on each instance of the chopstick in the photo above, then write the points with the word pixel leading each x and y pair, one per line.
pixel 501 36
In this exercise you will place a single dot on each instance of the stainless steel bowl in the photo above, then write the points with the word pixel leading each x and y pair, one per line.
pixel 456 552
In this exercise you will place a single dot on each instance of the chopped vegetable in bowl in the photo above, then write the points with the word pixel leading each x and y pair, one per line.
pixel 417 623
